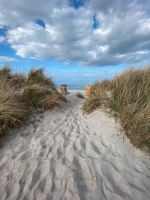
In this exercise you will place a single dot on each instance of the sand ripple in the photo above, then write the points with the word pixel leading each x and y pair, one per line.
pixel 72 156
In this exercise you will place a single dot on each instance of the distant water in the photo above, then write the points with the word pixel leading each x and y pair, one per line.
pixel 73 87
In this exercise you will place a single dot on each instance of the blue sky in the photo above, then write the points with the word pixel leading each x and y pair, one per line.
pixel 75 41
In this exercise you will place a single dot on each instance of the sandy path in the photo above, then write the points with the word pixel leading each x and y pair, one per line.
pixel 67 155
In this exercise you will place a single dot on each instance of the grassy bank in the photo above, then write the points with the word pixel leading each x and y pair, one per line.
pixel 20 95
pixel 128 97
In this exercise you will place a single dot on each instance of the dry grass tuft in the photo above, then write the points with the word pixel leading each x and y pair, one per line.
pixel 100 86
pixel 97 98
pixel 12 111
pixel 40 97
pixel 20 94
pixel 91 104
pixel 130 100
pixel 36 76
pixel 32 94
pixel 49 102
pixel 18 81
pixel 5 73
pixel 128 97
pixel 79 95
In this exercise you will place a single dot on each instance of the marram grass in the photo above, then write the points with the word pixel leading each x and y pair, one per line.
pixel 128 97
pixel 20 94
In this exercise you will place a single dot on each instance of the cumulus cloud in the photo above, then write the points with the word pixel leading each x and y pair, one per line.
pixel 14 13
pixel 122 34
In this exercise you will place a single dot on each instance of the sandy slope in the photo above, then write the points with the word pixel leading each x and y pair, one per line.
pixel 66 155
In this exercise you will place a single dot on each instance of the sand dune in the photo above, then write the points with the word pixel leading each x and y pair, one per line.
pixel 67 155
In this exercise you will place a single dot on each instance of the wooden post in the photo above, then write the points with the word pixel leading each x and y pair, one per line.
pixel 88 90
pixel 63 89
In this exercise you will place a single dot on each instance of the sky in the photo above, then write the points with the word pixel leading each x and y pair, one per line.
pixel 75 41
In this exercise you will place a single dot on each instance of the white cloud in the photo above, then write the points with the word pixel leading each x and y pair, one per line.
pixel 2 39
pixel 6 59
pixel 68 36
pixel 14 13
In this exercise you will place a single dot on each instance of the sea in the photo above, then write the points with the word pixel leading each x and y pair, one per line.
pixel 73 87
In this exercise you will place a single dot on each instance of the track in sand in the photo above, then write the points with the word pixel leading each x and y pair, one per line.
pixel 65 155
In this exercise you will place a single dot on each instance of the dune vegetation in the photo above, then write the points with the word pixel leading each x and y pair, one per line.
pixel 127 96
pixel 20 94
pixel 12 111
pixel 80 95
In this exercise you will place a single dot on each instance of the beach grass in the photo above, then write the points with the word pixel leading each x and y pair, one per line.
pixel 98 96
pixel 20 95
pixel 80 95
pixel 128 98
pixel 12 111
pixel 37 76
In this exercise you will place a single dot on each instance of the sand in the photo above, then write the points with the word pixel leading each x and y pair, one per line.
pixel 67 155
